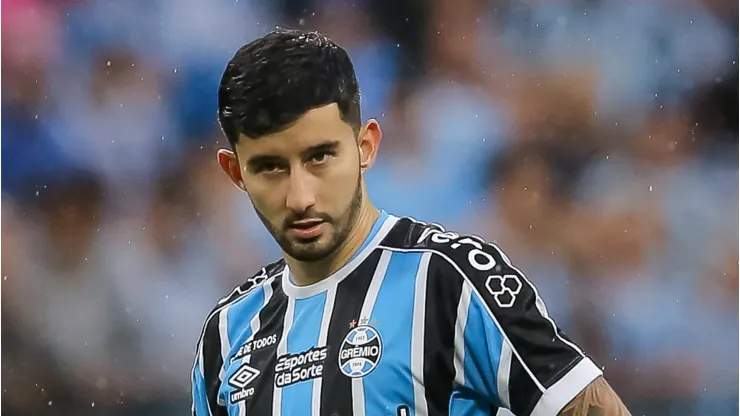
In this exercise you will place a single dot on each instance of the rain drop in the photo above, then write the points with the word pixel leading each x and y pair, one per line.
pixel 650 188
pixel 107 63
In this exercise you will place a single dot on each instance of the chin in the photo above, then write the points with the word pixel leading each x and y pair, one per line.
pixel 312 250
pixel 310 254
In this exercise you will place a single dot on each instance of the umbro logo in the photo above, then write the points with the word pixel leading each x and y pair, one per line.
pixel 243 376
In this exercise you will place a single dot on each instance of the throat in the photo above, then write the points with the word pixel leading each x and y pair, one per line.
pixel 308 273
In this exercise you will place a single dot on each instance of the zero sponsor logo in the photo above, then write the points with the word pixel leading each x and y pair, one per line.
pixel 254 345
pixel 478 258
pixel 240 381
pixel 360 352
pixel 294 368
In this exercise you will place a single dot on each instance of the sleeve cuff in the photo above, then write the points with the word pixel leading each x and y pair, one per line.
pixel 567 388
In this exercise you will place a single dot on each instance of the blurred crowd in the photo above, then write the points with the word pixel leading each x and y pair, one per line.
pixel 595 141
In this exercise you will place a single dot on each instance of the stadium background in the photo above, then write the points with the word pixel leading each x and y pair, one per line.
pixel 595 140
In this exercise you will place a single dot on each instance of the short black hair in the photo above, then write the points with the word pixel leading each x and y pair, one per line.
pixel 272 81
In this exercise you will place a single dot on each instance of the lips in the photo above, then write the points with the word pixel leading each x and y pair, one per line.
pixel 306 229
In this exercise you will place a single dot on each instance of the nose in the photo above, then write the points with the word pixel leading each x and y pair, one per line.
pixel 301 194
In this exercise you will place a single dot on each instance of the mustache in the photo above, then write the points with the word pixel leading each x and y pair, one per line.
pixel 294 217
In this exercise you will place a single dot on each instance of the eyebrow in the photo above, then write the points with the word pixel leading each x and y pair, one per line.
pixel 258 159
pixel 327 146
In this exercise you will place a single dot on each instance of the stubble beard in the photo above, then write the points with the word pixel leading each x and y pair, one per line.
pixel 316 250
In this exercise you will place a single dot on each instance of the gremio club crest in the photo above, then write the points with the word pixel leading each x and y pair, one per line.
pixel 360 351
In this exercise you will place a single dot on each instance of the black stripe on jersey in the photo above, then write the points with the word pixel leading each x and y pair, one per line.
pixel 212 363
pixel 520 381
pixel 444 288
pixel 405 233
pixel 336 388
pixel 272 317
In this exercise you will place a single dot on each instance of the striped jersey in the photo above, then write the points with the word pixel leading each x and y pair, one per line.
pixel 420 321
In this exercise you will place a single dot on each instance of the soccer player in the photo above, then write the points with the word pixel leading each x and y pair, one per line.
pixel 367 313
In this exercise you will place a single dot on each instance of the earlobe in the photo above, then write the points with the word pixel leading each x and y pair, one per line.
pixel 230 165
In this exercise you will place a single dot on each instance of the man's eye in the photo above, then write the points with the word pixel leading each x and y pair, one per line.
pixel 268 168
pixel 320 157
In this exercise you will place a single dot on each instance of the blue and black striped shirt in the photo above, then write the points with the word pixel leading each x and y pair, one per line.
pixel 420 321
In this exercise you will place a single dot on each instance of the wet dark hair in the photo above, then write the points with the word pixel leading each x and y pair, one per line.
pixel 272 81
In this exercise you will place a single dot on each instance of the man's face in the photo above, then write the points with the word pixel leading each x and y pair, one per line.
pixel 305 182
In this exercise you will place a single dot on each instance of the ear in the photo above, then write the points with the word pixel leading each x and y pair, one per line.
pixel 230 164
pixel 368 143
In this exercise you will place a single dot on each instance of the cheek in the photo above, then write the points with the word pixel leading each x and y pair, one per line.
pixel 339 186
pixel 266 198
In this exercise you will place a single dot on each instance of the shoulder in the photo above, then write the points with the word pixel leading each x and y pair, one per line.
pixel 466 254
pixel 254 282
pixel 466 263
pixel 251 286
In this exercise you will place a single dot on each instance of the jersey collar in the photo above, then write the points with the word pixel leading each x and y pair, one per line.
pixel 382 226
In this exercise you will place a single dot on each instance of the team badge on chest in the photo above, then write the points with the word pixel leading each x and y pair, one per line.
pixel 360 351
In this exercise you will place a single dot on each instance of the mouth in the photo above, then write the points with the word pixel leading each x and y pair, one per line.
pixel 306 229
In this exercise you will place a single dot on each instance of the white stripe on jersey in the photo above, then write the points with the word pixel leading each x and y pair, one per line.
pixel 417 336
pixel 504 371
pixel 282 349
pixel 460 323
pixel 223 324
pixel 331 296
pixel 358 390
pixel 255 325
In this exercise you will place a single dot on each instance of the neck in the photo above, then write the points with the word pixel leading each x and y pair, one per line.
pixel 308 273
